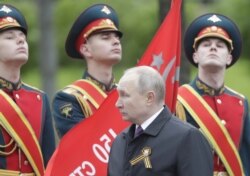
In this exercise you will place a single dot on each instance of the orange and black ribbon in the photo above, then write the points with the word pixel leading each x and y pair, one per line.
pixel 144 156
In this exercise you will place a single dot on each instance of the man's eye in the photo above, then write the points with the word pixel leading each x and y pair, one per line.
pixel 206 44
pixel 9 37
pixel 105 36
pixel 220 45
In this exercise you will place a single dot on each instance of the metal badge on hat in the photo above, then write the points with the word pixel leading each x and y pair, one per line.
pixel 106 10
pixel 214 19
pixel 5 9
pixel 145 153
pixel 107 22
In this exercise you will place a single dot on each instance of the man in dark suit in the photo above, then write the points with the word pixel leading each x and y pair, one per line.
pixel 165 145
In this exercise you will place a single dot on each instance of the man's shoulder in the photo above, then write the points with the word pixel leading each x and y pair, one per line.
pixel 235 93
pixel 32 88
pixel 180 125
pixel 76 86
pixel 120 139
pixel 68 90
pixel 66 94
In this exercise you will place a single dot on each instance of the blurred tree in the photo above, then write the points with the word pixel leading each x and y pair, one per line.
pixel 139 20
pixel 238 11
pixel 47 53
pixel 207 1
pixel 137 24
pixel 164 6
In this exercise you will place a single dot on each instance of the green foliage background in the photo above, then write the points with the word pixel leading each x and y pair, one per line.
pixel 139 20
pixel 132 16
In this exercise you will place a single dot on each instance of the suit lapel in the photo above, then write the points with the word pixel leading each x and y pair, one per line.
pixel 155 127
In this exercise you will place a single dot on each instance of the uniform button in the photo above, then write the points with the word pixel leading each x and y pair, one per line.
pixel 214 28
pixel 85 97
pixel 26 162
pixel 222 174
pixel 38 97
pixel 240 102
pixel 218 101
pixel 223 122
pixel 17 96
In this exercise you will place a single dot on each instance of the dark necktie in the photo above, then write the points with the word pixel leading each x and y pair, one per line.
pixel 138 131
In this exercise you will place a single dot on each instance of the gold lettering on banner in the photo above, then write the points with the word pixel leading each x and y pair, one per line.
pixel 145 153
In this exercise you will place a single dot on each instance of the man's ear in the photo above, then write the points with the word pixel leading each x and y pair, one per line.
pixel 150 97
pixel 229 59
pixel 84 50
pixel 195 57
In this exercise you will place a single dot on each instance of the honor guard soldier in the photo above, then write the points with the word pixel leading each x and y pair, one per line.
pixel 213 43
pixel 26 130
pixel 157 143
pixel 95 38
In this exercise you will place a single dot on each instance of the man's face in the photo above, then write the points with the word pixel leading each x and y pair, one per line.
pixel 13 46
pixel 104 47
pixel 212 53
pixel 131 103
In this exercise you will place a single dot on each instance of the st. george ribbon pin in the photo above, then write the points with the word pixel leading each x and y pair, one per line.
pixel 145 153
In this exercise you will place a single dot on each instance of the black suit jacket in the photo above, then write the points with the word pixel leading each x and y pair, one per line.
pixel 178 149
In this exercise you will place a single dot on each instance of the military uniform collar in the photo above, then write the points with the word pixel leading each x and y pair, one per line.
pixel 206 89
pixel 101 85
pixel 9 86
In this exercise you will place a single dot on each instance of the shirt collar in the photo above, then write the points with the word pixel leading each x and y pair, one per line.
pixel 207 89
pixel 101 85
pixel 9 86
pixel 146 123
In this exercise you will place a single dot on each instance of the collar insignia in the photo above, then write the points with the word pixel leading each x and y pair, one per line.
pixel 5 84
pixel 209 90
pixel 105 88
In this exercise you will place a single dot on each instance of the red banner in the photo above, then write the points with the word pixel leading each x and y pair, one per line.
pixel 163 53
pixel 84 149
